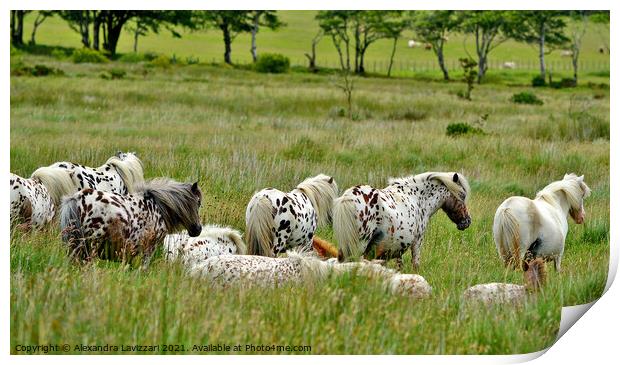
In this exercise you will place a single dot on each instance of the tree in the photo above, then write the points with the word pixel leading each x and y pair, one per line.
pixel 359 28
pixel 577 30
pixel 230 22
pixel 17 26
pixel 312 56
pixel 41 16
pixel 267 18
pixel 392 27
pixel 433 27
pixel 79 21
pixel 542 28
pixel 488 28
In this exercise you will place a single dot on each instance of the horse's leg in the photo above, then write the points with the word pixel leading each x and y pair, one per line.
pixel 415 256
pixel 557 260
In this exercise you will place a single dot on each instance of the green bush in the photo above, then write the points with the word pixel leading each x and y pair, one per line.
pixel 58 54
pixel 132 57
pixel 272 63
pixel 37 70
pixel 408 114
pixel 526 98
pixel 191 60
pixel 86 55
pixel 562 84
pixel 161 61
pixel 114 74
pixel 538 81
pixel 458 129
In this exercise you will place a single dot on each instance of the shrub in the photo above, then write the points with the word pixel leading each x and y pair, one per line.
pixel 469 76
pixel 86 55
pixel 161 61
pixel 272 63
pixel 458 129
pixel 191 60
pixel 58 54
pixel 150 56
pixel 132 57
pixel 37 70
pixel 408 114
pixel 538 81
pixel 114 74
pixel 526 98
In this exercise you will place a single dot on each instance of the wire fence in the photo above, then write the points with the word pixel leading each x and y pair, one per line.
pixel 430 65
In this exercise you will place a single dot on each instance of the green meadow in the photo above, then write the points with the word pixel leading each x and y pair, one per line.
pixel 237 131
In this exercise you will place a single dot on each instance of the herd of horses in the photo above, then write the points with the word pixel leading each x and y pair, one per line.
pixel 111 212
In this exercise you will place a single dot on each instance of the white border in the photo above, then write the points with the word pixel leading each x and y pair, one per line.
pixel 590 339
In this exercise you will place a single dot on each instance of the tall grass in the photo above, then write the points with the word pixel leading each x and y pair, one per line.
pixel 238 131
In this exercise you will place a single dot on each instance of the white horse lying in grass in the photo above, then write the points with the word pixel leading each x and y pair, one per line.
pixel 299 268
pixel 498 293
pixel 277 221
pixel 212 241
pixel 538 227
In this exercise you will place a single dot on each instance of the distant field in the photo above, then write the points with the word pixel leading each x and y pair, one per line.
pixel 238 131
pixel 295 39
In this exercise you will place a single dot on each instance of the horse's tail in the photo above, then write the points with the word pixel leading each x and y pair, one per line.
pixel 57 180
pixel 235 236
pixel 535 274
pixel 259 224
pixel 324 248
pixel 345 227
pixel 70 222
pixel 507 237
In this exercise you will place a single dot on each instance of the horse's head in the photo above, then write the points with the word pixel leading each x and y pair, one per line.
pixel 192 223
pixel 454 206
pixel 577 211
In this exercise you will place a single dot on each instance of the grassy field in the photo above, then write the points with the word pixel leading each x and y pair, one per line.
pixel 238 131
pixel 295 39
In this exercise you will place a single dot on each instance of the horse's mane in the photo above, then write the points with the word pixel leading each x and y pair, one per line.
pixel 573 187
pixel 459 189
pixel 57 180
pixel 129 169
pixel 176 202
pixel 312 268
pixel 321 190
pixel 232 234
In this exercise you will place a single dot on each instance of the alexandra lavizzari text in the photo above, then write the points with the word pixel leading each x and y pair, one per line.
pixel 82 348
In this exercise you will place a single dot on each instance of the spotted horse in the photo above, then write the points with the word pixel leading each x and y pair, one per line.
pixel 32 205
pixel 212 241
pixel 113 226
pixel 120 174
pixel 277 221
pixel 393 219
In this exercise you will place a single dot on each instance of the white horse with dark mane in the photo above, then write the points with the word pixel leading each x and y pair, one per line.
pixel 113 226
pixel 212 241
pixel 538 227
pixel 277 221
pixel 393 219
pixel 120 174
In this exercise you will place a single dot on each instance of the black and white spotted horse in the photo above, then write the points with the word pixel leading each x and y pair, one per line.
pixel 32 205
pixel 393 219
pixel 113 226
pixel 277 221
pixel 120 174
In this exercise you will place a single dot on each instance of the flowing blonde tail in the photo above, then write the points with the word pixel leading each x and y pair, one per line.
pixel 324 248
pixel 259 226
pixel 345 228
pixel 57 181
pixel 507 237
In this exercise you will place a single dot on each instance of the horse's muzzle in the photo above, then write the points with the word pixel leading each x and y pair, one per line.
pixel 464 224
pixel 194 230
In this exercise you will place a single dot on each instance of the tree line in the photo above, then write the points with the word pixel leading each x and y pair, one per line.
pixel 352 32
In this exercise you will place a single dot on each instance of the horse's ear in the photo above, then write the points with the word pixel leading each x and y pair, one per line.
pixel 195 187
pixel 119 153
pixel 331 180
pixel 581 178
pixel 455 178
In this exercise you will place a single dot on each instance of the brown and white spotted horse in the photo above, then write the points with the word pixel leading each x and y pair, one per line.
pixel 31 203
pixel 109 225
pixel 277 221
pixel 120 174
pixel 394 219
